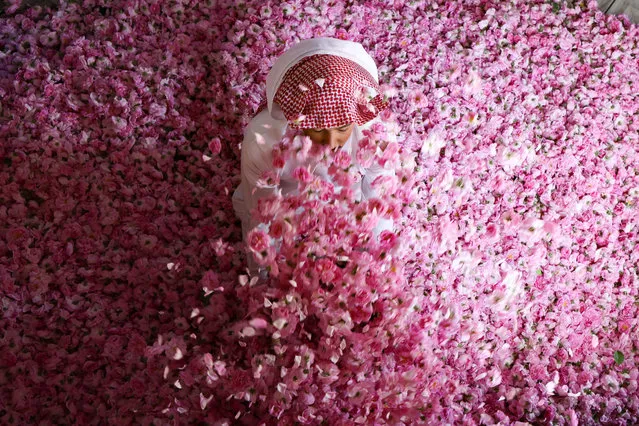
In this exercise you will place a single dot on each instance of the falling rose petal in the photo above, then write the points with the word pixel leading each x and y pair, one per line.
pixel 258 323
pixel 259 138
pixel 220 368
pixel 178 354
pixel 320 82
pixel 177 384
pixel 299 119
pixel 243 279
pixel 217 289
pixel 204 401
pixel 205 157
pixel 248 332
pixel 303 87
pixel 279 323
pixel 208 360
pixel 170 266
pixel 166 372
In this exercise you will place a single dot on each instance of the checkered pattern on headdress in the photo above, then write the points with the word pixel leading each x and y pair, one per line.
pixel 327 91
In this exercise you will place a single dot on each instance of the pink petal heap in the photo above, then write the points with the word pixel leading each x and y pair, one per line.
pixel 507 295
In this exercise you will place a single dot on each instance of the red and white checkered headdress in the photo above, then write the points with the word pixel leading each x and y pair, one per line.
pixel 326 91
pixel 324 83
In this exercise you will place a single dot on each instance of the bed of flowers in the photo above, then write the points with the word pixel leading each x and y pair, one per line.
pixel 506 293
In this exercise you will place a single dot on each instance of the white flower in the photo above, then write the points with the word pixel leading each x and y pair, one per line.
pixel 432 145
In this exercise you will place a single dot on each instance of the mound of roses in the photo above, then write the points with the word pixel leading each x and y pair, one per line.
pixel 123 287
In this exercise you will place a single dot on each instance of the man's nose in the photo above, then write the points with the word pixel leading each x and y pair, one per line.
pixel 332 140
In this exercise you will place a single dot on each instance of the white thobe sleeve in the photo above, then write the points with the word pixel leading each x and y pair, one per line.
pixel 256 159
pixel 368 191
pixel 260 136
pixel 370 174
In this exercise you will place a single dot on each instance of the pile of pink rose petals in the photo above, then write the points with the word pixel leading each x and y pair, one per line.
pixel 507 293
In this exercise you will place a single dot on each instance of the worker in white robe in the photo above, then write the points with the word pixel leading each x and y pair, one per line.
pixel 328 89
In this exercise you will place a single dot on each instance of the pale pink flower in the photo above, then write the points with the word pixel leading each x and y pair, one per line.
pixel 258 240
pixel 302 174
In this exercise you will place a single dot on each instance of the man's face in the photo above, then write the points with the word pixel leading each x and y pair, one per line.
pixel 334 138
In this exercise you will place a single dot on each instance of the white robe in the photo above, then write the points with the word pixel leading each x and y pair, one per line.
pixel 257 159
pixel 271 125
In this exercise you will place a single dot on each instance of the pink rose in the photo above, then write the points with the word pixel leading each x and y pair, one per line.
pixel 258 240
pixel 387 240
pixel 302 174
pixel 342 159
pixel 215 145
